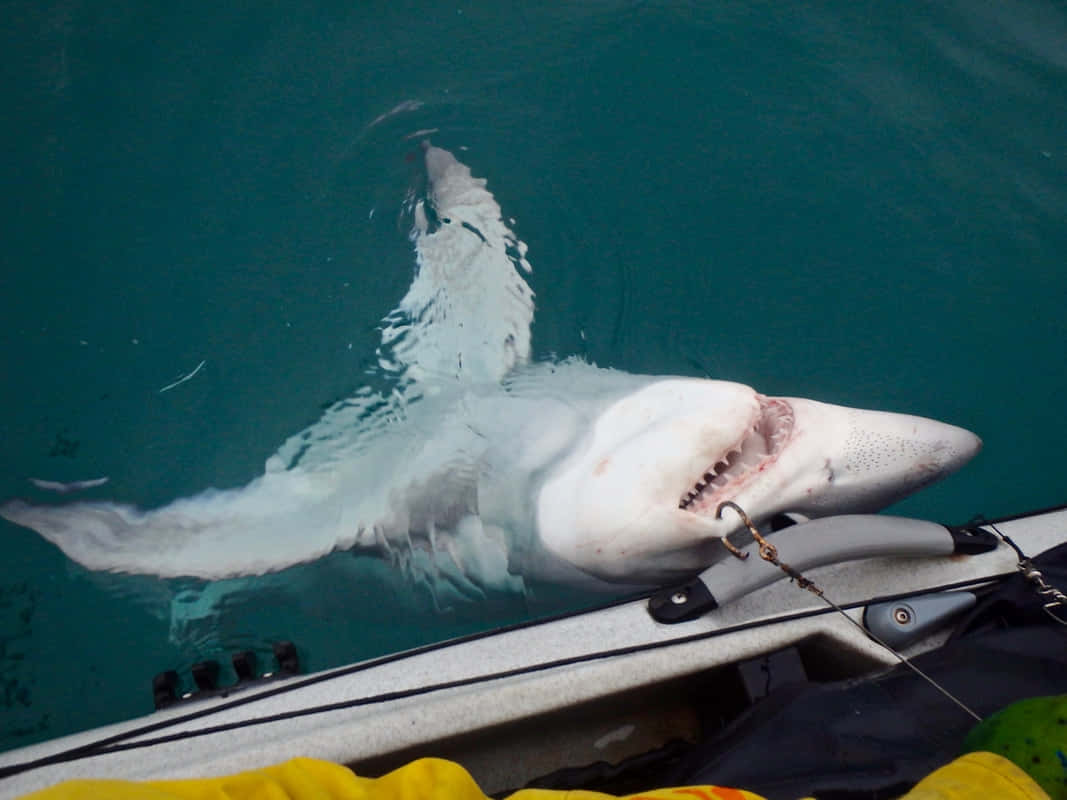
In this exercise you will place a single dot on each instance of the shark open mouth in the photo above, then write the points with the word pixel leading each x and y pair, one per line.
pixel 757 448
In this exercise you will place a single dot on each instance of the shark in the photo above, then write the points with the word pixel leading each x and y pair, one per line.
pixel 470 458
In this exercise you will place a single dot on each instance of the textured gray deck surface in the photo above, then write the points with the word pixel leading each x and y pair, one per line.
pixel 356 733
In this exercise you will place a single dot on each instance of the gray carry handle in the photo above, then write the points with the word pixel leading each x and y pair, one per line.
pixel 830 540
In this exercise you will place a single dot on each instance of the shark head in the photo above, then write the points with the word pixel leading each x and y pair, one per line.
pixel 636 501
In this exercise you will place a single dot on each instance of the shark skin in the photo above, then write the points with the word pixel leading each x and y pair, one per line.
pixel 477 466
pixel 639 502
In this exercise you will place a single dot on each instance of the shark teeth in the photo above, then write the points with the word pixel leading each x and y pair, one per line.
pixel 762 442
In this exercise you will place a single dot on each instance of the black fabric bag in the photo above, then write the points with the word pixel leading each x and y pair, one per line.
pixel 875 738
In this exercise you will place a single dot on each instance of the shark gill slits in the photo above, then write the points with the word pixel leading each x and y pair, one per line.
pixel 473 230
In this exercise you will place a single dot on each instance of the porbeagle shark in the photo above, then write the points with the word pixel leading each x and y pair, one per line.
pixel 474 458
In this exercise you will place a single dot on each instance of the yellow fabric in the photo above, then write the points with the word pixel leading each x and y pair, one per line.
pixel 310 779
pixel 974 776
pixel 977 776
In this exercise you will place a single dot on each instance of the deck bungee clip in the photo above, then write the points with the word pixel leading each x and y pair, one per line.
pixel 821 542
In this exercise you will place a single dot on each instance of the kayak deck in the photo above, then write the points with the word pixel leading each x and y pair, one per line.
pixel 516 704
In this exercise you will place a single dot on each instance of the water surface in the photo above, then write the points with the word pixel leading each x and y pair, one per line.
pixel 854 202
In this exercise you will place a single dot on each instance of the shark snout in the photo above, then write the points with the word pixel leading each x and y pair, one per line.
pixel 901 445
pixel 871 459
pixel 960 446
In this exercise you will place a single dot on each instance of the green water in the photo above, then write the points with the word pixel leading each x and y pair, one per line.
pixel 858 202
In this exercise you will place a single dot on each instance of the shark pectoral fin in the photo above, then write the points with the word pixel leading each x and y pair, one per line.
pixel 481 552
pixel 276 521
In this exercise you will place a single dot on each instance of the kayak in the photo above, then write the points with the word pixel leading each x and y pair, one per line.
pixel 606 685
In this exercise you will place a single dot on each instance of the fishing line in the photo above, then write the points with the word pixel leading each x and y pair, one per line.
pixel 1055 600
pixel 768 552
